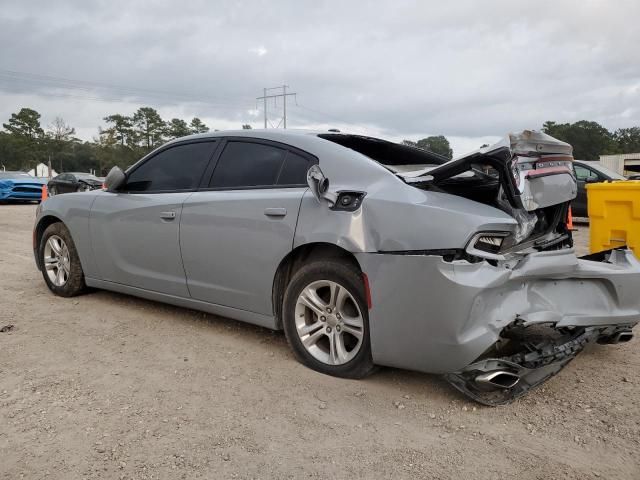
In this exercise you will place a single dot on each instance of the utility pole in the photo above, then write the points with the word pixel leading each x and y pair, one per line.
pixel 284 96
pixel 265 108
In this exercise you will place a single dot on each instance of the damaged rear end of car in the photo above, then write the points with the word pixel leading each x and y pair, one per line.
pixel 473 273
pixel 548 304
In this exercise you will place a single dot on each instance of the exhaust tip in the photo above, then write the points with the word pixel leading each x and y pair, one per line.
pixel 620 337
pixel 498 378
pixel 624 337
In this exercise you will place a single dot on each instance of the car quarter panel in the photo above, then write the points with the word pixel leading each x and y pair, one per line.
pixel 451 312
pixel 396 217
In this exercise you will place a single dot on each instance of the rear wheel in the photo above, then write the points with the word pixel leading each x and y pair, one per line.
pixel 83 188
pixel 326 319
pixel 61 267
pixel 53 191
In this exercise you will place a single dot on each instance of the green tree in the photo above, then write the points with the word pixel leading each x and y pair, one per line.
pixel 246 126
pixel 436 144
pixel 24 140
pixel 197 126
pixel 121 128
pixel 588 139
pixel 627 140
pixel 176 128
pixel 148 127
pixel 25 123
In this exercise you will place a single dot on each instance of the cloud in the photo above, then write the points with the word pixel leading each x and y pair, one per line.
pixel 260 51
pixel 404 69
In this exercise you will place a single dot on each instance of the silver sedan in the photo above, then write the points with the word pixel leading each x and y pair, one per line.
pixel 365 252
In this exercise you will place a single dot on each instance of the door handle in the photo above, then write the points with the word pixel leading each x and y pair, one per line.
pixel 275 212
pixel 168 215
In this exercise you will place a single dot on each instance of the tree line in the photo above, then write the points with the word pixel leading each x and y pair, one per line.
pixel 126 138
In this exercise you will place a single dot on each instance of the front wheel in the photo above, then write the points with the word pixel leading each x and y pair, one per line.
pixel 53 191
pixel 326 319
pixel 61 268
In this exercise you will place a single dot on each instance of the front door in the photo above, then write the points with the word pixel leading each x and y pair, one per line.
pixel 135 231
pixel 235 234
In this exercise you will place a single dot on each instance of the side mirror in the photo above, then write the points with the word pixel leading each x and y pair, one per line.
pixel 319 185
pixel 115 179
pixel 592 180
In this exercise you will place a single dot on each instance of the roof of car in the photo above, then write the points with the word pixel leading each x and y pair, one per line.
pixel 266 133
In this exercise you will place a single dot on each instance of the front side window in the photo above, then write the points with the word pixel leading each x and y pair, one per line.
pixel 178 168
pixel 246 164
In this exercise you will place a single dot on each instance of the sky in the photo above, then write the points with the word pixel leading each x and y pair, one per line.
pixel 472 71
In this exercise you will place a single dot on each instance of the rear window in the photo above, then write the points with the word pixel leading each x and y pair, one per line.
pixel 294 171
pixel 395 156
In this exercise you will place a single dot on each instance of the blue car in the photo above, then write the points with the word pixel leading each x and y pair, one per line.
pixel 20 186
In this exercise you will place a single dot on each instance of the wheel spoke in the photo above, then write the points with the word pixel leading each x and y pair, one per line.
pixel 311 299
pixel 352 331
pixel 335 293
pixel 337 352
pixel 309 329
pixel 55 246
pixel 50 263
pixel 312 339
pixel 60 277
pixel 355 322
pixel 341 351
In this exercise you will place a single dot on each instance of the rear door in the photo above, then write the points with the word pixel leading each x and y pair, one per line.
pixel 135 231
pixel 235 232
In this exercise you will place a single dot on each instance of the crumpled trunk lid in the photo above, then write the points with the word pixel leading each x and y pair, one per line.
pixel 535 169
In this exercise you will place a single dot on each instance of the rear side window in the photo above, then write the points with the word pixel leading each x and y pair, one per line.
pixel 244 164
pixel 294 171
pixel 582 174
pixel 177 168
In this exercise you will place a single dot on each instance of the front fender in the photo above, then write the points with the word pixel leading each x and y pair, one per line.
pixel 72 209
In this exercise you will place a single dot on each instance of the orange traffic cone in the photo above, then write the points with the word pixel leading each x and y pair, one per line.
pixel 570 220
pixel 45 193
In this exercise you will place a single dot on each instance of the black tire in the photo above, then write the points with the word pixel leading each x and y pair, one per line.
pixel 53 191
pixel 349 277
pixel 74 284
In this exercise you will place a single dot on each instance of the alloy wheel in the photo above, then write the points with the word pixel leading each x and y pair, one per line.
pixel 57 262
pixel 329 322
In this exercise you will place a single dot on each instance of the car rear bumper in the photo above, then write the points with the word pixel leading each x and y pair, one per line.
pixel 436 316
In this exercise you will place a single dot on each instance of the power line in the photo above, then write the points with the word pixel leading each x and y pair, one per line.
pixel 13 77
pixel 284 96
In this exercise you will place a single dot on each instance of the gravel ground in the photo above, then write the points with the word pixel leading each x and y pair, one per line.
pixel 110 386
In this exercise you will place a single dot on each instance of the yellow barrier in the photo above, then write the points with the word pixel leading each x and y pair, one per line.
pixel 614 215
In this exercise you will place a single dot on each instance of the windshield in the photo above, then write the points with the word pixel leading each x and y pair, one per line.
pixel 15 175
pixel 609 173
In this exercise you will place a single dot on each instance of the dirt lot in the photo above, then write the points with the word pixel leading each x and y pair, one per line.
pixel 109 386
